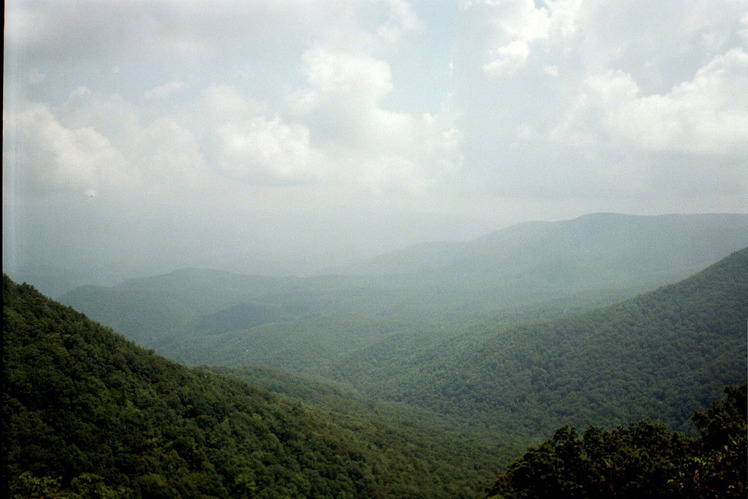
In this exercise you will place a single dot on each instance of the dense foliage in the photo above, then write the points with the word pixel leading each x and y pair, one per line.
pixel 87 413
pixel 523 372
pixel 641 460
pixel 655 356
pixel 384 420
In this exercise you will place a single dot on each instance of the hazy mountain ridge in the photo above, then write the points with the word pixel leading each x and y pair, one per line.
pixel 308 346
pixel 668 246
pixel 657 355
pixel 524 265
pixel 413 259
pixel 401 337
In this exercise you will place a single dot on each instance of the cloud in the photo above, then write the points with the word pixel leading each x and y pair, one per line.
pixel 393 175
pixel 35 77
pixel 508 57
pixel 97 143
pixel 51 155
pixel 267 150
pixel 165 90
pixel 518 26
pixel 171 156
pixel 342 79
pixel 708 114
pixel 368 144
pixel 402 20
pixel 380 109
pixel 224 102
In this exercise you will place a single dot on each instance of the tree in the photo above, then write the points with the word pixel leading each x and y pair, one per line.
pixel 642 460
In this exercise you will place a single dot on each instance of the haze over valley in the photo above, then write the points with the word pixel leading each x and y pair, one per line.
pixel 382 248
pixel 523 294
pixel 283 139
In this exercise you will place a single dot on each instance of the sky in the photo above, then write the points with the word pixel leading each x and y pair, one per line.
pixel 291 136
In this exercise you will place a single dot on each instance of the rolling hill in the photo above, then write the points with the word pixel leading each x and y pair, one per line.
pixel 639 250
pixel 540 269
pixel 655 356
pixel 499 340
pixel 87 413
pixel 411 338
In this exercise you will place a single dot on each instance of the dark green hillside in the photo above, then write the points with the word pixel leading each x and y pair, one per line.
pixel 639 460
pixel 655 356
pixel 381 420
pixel 344 403
pixel 86 413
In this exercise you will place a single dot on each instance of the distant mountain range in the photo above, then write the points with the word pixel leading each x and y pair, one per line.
pixel 592 251
pixel 414 374
pixel 452 334
pixel 667 245
pixel 591 260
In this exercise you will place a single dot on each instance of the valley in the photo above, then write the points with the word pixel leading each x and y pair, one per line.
pixel 455 366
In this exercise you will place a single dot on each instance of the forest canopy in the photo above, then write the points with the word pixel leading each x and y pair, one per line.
pixel 87 413
pixel 641 460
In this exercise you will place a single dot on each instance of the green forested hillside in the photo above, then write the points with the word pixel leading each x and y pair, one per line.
pixel 343 402
pixel 655 356
pixel 307 346
pixel 86 413
pixel 639 460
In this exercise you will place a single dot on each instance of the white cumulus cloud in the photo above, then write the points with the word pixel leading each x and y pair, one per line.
pixel 368 144
pixel 705 115
pixel 518 25
pixel 339 78
pixel 708 114
pixel 271 150
pixel 54 155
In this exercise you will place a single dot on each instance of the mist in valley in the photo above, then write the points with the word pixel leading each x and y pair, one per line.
pixel 433 230
pixel 282 139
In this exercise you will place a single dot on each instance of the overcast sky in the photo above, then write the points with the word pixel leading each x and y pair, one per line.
pixel 144 136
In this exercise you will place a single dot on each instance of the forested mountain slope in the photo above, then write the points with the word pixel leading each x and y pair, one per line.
pixel 587 261
pixel 87 413
pixel 654 356
pixel 657 355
